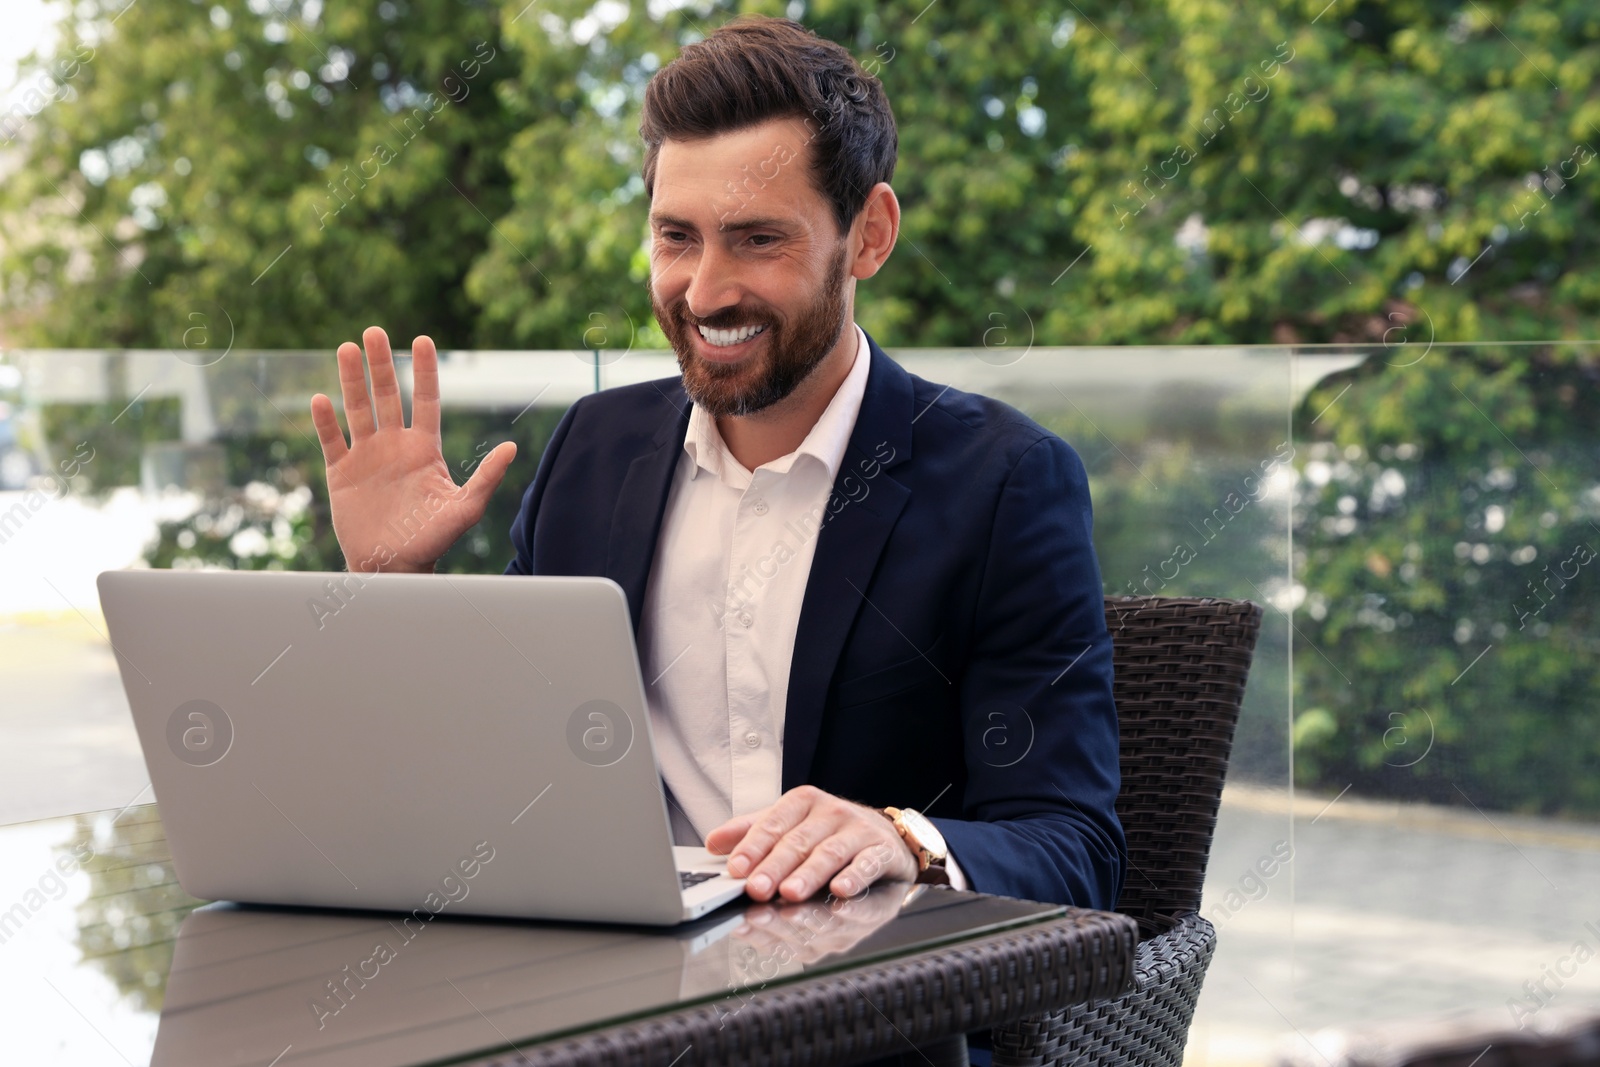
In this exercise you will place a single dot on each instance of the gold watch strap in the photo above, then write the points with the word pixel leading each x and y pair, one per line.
pixel 931 870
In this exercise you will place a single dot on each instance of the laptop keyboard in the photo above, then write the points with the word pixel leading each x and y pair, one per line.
pixel 692 878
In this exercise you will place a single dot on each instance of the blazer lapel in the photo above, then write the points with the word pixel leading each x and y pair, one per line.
pixel 847 554
pixel 636 519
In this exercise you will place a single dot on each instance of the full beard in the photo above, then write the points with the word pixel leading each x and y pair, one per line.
pixel 792 352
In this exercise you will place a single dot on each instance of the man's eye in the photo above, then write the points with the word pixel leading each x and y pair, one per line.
pixel 765 237
pixel 672 235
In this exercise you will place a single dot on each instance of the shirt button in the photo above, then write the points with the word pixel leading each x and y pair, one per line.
pixel 753 740
pixel 746 621
pixel 760 508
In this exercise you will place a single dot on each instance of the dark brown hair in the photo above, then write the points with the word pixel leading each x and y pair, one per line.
pixel 755 68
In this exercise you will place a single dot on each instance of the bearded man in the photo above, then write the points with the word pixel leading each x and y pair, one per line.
pixel 867 605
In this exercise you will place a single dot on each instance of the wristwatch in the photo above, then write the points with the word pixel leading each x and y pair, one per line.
pixel 926 842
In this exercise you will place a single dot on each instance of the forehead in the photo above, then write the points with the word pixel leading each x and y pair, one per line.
pixel 760 170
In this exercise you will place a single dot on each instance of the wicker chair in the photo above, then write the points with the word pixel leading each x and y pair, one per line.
pixel 1180 670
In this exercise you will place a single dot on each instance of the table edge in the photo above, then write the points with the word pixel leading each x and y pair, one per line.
pixel 885 1007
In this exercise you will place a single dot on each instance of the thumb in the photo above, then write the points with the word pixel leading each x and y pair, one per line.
pixel 486 479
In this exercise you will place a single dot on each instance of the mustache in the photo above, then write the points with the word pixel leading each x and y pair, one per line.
pixel 725 322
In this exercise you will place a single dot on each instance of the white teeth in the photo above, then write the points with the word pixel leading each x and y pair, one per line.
pixel 723 338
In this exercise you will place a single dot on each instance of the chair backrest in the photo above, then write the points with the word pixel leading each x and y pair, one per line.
pixel 1179 672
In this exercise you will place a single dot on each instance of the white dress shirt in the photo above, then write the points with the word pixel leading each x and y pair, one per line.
pixel 722 606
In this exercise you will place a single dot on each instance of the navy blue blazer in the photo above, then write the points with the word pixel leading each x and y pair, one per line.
pixel 952 653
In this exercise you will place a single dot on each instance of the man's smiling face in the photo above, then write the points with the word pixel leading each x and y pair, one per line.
pixel 745 249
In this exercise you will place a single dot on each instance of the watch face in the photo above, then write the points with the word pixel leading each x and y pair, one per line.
pixel 924 831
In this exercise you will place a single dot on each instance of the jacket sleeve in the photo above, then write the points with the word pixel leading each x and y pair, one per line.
pixel 522 527
pixel 1039 725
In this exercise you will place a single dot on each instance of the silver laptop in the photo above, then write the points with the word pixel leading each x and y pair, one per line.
pixel 419 743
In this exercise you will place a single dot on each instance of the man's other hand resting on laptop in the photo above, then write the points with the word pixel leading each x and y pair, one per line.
pixel 810 840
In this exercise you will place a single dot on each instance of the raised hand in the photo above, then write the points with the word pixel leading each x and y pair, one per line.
pixel 395 506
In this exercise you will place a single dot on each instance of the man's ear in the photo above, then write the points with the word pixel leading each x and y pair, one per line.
pixel 876 229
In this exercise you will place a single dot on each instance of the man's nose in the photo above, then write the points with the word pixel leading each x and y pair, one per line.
pixel 714 283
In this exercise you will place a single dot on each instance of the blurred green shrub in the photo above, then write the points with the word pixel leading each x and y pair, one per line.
pixel 1447 535
pixel 275 514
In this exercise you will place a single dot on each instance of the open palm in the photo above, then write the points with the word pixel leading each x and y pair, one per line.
pixel 395 506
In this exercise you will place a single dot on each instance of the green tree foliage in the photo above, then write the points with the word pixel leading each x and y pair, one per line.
pixel 265 173
pixel 128 923
pixel 1451 537
pixel 274 514
pixel 1326 172
pixel 90 430
pixel 1226 172
pixel 1172 486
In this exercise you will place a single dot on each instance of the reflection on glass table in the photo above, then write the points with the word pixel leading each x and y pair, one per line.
pixel 229 984
pixel 248 984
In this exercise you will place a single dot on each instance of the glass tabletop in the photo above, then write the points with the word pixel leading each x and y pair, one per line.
pixel 104 959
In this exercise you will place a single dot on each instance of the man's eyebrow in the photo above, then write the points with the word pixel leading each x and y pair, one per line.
pixel 764 222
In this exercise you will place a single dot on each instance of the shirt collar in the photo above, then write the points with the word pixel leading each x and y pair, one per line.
pixel 825 443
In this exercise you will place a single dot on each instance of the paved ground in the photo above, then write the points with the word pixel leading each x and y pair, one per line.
pixel 1388 912
pixel 1384 912
pixel 69 744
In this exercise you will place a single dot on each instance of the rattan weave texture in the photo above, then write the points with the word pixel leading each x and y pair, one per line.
pixel 1179 672
pixel 1148 1026
pixel 864 1014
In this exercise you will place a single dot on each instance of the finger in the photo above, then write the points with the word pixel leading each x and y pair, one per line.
pixel 759 932
pixel 801 923
pixel 791 851
pixel 385 386
pixel 822 861
pixel 872 864
pixel 762 940
pixel 486 479
pixel 759 915
pixel 329 434
pixel 353 389
pixel 723 839
pixel 765 828
pixel 425 386
pixel 787 928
